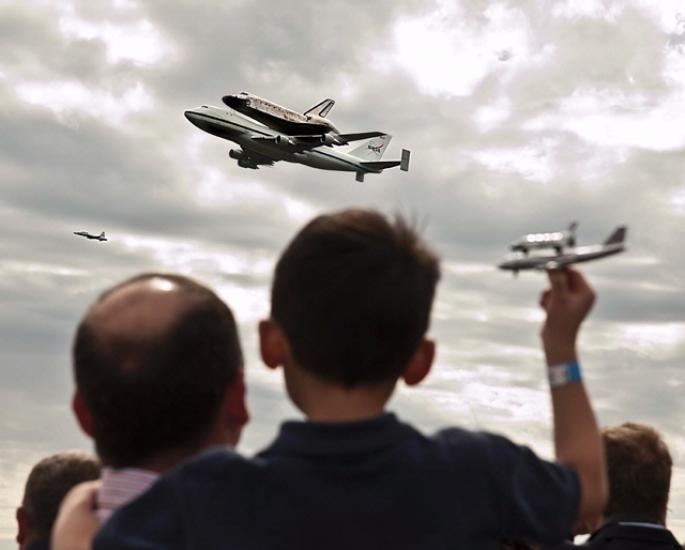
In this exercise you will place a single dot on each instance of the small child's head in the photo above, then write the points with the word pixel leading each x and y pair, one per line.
pixel 351 302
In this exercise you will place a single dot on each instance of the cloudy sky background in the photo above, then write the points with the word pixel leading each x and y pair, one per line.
pixel 521 116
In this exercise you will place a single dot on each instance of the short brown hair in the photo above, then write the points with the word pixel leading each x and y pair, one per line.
pixel 353 293
pixel 49 482
pixel 639 466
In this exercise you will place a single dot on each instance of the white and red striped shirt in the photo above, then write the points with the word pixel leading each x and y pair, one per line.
pixel 121 486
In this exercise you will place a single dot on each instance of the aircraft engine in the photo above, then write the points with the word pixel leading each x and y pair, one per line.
pixel 328 139
pixel 246 163
pixel 243 160
pixel 284 139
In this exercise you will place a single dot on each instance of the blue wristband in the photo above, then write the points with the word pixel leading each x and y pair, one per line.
pixel 560 375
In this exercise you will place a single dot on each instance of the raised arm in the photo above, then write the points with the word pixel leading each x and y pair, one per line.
pixel 577 439
pixel 76 522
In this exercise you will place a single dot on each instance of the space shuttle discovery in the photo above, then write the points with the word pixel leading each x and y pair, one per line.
pixel 312 121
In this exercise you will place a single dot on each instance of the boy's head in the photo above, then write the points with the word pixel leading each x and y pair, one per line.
pixel 639 467
pixel 48 483
pixel 352 296
pixel 158 369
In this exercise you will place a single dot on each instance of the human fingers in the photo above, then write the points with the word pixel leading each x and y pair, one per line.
pixel 558 280
pixel 544 298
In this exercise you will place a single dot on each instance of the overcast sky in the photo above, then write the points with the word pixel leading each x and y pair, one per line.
pixel 521 116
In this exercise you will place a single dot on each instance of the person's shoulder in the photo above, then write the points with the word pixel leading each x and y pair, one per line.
pixel 469 443
pixel 211 465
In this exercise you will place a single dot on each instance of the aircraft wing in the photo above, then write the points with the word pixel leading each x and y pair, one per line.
pixel 359 136
pixel 297 143
pixel 553 265
pixel 311 141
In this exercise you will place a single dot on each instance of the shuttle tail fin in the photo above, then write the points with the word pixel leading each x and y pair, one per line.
pixel 373 149
pixel 321 109
pixel 618 236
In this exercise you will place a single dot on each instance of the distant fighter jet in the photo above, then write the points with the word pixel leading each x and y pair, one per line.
pixel 263 146
pixel 100 237
pixel 558 258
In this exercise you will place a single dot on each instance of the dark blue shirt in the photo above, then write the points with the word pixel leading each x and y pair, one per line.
pixel 376 484
pixel 622 533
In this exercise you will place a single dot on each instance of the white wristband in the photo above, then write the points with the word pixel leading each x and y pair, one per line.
pixel 560 375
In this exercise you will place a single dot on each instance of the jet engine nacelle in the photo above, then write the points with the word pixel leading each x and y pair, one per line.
pixel 244 163
pixel 328 139
pixel 284 139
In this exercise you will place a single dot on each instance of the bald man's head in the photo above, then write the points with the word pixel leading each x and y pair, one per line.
pixel 152 359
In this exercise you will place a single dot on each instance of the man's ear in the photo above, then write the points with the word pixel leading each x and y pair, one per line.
pixel 272 344
pixel 420 364
pixel 21 526
pixel 82 414
pixel 236 406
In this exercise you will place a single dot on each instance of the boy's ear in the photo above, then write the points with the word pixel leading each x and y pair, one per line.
pixel 420 364
pixel 272 344
pixel 21 526
pixel 82 414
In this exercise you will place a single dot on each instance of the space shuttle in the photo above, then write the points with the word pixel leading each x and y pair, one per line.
pixel 313 121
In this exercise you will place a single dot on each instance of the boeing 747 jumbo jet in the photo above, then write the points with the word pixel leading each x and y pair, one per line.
pixel 557 257
pixel 101 237
pixel 263 146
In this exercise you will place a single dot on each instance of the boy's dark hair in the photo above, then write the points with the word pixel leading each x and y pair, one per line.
pixel 353 294
pixel 639 467
pixel 48 483
pixel 152 395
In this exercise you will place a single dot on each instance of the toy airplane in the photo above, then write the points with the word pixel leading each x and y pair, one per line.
pixel 101 237
pixel 556 240
pixel 263 145
pixel 560 250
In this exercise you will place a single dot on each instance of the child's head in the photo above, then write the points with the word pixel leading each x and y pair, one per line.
pixel 352 296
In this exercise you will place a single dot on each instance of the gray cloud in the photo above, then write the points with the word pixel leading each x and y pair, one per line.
pixel 567 128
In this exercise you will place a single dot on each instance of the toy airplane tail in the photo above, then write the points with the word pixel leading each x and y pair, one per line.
pixel 618 236
pixel 321 109
pixel 572 233
pixel 373 149
pixel 102 235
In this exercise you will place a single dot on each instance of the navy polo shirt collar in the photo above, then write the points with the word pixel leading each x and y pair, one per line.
pixel 330 438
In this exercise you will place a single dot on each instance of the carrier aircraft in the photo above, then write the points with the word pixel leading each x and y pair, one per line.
pixel 261 145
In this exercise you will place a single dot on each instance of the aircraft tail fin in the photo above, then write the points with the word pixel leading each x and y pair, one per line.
pixel 373 149
pixel 102 235
pixel 618 236
pixel 321 109
pixel 572 233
